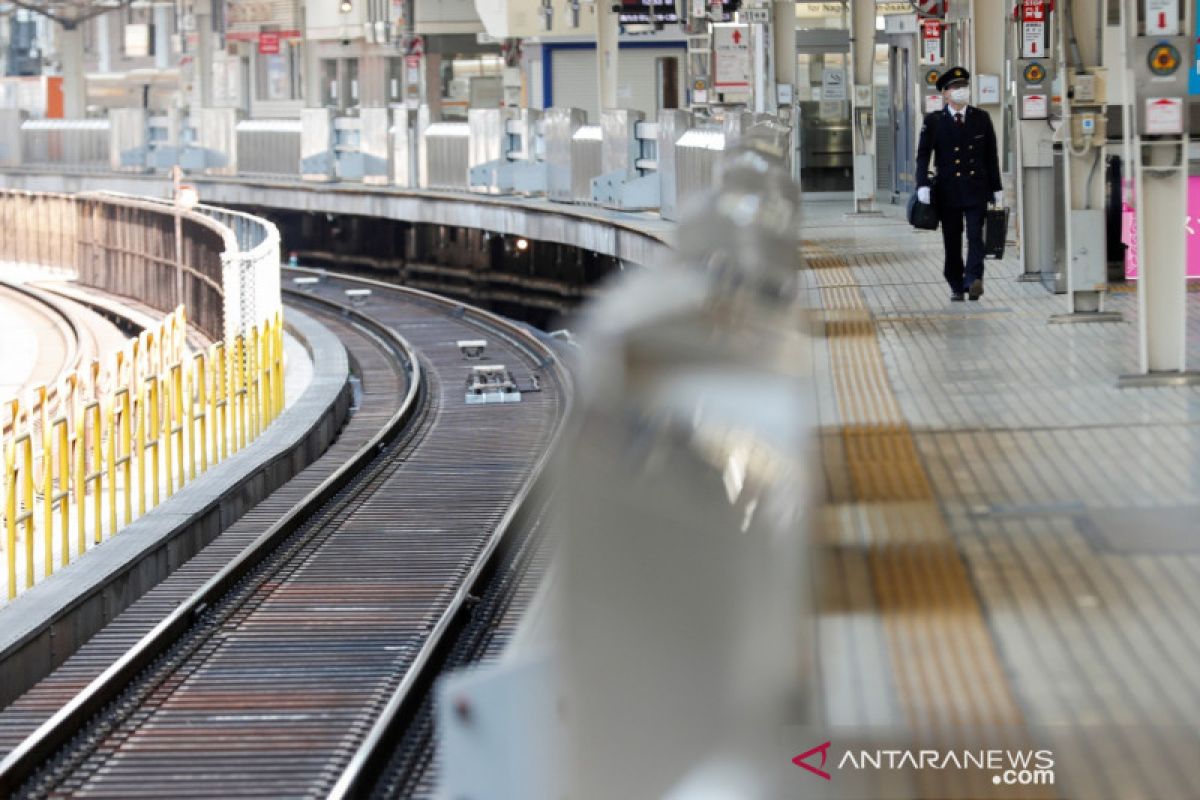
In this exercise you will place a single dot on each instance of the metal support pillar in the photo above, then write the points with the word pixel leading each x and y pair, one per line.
pixel 162 35
pixel 70 46
pixel 204 55
pixel 607 59
pixel 1084 257
pixel 783 31
pixel 104 43
pixel 862 52
pixel 1157 57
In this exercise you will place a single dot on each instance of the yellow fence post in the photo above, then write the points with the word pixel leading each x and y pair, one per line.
pixel 125 397
pixel 239 388
pixel 47 485
pixel 79 485
pixel 166 429
pixel 200 378
pixel 177 413
pixel 10 510
pixel 155 427
pixel 62 495
pixel 26 517
pixel 91 413
pixel 220 402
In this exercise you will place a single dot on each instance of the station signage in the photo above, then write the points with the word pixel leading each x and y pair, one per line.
pixel 641 12
pixel 731 57
pixel 1162 17
pixel 931 41
pixel 268 43
pixel 1033 28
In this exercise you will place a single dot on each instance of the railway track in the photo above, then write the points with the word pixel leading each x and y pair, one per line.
pixel 52 337
pixel 274 673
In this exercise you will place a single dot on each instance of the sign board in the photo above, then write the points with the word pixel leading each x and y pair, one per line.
pixel 268 43
pixel 137 40
pixel 900 23
pixel 1162 17
pixel 833 85
pixel 1033 28
pixel 931 41
pixel 731 57
pixel 934 102
pixel 1035 106
pixel 989 89
pixel 1164 115
pixel 930 8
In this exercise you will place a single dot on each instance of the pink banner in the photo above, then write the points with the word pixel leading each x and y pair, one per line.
pixel 1129 230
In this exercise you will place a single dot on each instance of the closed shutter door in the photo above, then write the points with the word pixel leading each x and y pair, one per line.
pixel 575 80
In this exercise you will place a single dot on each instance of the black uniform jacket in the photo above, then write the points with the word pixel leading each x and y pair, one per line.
pixel 966 158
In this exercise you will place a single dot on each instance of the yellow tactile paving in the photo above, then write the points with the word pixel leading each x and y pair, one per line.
pixel 947 672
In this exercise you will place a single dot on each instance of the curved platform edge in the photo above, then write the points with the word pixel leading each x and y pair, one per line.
pixel 45 625
pixel 632 237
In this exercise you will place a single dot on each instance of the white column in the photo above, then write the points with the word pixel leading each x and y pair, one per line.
pixel 862 54
pixel 70 45
pixel 162 36
pixel 103 44
pixel 203 63
pixel 607 33
pixel 1083 167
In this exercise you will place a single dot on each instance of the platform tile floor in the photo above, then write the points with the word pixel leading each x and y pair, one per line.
pixel 1012 542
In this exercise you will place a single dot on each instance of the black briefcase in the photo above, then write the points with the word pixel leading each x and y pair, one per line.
pixel 995 231
pixel 922 215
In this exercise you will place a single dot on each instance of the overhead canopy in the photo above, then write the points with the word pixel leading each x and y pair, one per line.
pixel 69 13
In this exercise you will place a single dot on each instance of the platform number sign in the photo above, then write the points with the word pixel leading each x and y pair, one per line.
pixel 1033 28
pixel 1162 17
pixel 931 41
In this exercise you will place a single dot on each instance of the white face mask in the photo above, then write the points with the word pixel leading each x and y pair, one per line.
pixel 960 96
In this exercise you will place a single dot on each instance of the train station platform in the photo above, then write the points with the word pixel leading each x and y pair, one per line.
pixel 1010 540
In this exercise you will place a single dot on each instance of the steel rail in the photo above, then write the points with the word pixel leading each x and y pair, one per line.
pixel 22 763
pixel 372 756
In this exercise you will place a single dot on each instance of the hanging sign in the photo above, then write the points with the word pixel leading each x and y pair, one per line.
pixel 1162 17
pixel 931 41
pixel 1033 28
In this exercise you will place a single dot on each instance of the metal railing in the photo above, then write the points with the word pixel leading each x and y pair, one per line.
pixel 623 162
pixel 131 429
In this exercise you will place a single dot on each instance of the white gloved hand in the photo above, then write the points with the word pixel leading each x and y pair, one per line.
pixel 923 195
pixel 999 197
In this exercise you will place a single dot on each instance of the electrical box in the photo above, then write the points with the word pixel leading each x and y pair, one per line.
pixel 864 176
pixel 1088 253
pixel 1090 88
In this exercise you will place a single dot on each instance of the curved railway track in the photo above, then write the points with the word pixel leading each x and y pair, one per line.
pixel 54 336
pixel 272 673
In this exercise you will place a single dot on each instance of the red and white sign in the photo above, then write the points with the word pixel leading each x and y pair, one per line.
pixel 1035 106
pixel 930 8
pixel 1164 115
pixel 931 41
pixel 268 43
pixel 934 102
pixel 1033 28
pixel 1162 17
pixel 731 57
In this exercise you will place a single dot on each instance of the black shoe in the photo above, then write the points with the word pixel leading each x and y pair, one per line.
pixel 956 297
pixel 976 289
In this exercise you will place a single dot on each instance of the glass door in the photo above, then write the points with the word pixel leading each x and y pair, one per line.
pixel 826 146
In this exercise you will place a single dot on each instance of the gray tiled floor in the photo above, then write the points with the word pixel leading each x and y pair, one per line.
pixel 1073 505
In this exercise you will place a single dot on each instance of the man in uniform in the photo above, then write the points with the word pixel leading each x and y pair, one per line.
pixel 963 142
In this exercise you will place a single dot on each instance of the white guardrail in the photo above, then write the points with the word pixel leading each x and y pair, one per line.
pixel 624 162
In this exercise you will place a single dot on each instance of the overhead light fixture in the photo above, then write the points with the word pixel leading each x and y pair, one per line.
pixel 347 6
pixel 522 244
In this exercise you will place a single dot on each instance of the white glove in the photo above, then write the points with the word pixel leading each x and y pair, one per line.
pixel 923 195
pixel 999 197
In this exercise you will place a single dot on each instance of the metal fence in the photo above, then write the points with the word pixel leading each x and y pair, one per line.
pixel 623 162
pixel 78 143
pixel 129 430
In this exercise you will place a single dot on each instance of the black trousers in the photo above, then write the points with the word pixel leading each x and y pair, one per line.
pixel 960 276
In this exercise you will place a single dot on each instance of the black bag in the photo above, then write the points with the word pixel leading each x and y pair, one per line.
pixel 922 215
pixel 995 231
